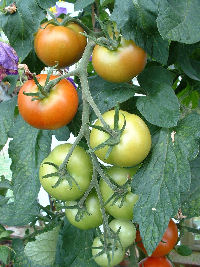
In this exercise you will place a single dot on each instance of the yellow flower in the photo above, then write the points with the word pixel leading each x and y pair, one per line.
pixel 53 9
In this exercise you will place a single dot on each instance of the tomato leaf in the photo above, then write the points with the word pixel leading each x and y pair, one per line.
pixel 190 201
pixel 43 250
pixel 20 259
pixel 62 134
pixel 160 106
pixel 107 95
pixel 6 119
pixel 74 247
pixel 165 175
pixel 190 63
pixel 45 3
pixel 27 149
pixel 5 253
pixel 179 21
pixel 20 26
pixel 137 21
pixel 33 62
pixel 80 4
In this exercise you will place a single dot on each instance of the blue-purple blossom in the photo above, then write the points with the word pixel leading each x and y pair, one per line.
pixel 60 10
pixel 72 81
pixel 8 60
pixel 8 57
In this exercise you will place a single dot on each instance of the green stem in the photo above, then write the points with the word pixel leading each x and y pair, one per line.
pixel 93 182
pixel 78 138
pixel 49 212
pixel 79 22
pixel 53 82
pixel 101 173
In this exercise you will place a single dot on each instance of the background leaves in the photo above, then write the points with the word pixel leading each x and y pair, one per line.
pixel 24 23
pixel 74 247
pixel 160 106
pixel 179 21
pixel 27 149
pixel 165 175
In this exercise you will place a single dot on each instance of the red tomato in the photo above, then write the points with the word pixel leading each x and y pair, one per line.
pixel 155 262
pixel 52 112
pixel 167 243
pixel 125 263
pixel 59 44
pixel 120 65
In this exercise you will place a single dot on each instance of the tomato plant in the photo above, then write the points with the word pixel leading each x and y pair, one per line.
pixel 127 231
pixel 79 168
pixel 167 243
pixel 120 65
pixel 135 141
pixel 113 74
pixel 102 259
pixel 155 262
pixel 62 45
pixel 122 209
pixel 55 110
pixel 92 216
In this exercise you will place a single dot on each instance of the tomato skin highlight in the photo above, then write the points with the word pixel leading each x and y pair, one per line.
pixel 120 177
pixel 169 240
pixel 52 112
pixel 155 262
pixel 88 221
pixel 62 45
pixel 79 167
pixel 120 65
pixel 135 141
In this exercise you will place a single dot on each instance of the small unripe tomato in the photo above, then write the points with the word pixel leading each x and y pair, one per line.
pixel 135 140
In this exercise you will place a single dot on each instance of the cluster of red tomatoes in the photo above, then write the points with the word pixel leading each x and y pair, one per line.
pixel 64 45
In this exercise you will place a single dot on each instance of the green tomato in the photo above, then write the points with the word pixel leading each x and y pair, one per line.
pixel 135 141
pixel 127 230
pixel 79 167
pixel 102 259
pixel 119 176
pixel 88 221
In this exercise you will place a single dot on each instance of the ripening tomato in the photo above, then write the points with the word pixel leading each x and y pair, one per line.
pixel 119 176
pixel 59 44
pixel 155 262
pixel 91 219
pixel 102 259
pixel 52 112
pixel 79 167
pixel 120 65
pixel 135 141
pixel 167 243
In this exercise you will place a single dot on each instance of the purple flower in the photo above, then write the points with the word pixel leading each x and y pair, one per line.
pixel 72 81
pixel 60 10
pixel 8 60
pixel 8 57
pixel 90 58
